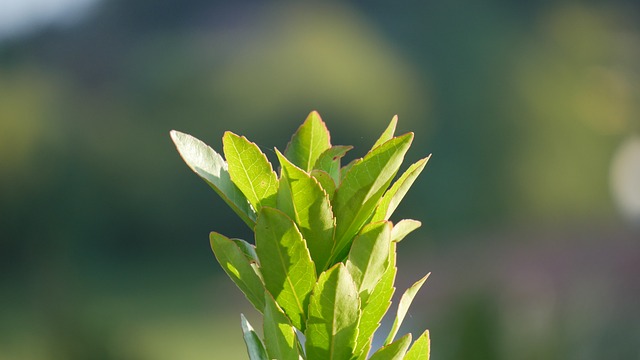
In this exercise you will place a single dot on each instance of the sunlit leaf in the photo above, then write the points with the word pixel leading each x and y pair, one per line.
pixel 279 335
pixel 404 228
pixel 236 264
pixel 333 316
pixel 420 348
pixel 212 168
pixel 369 256
pixel 329 161
pixel 362 188
pixel 308 142
pixel 325 180
pixel 398 190
pixel 311 211
pixel 255 348
pixel 403 307
pixel 250 170
pixel 387 134
pixel 248 249
pixel 287 269
pixel 393 351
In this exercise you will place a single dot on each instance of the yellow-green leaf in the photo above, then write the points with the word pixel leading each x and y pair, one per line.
pixel 403 307
pixel 308 142
pixel 279 335
pixel 404 228
pixel 420 348
pixel 393 351
pixel 255 348
pixel 369 256
pixel 387 134
pixel 329 161
pixel 398 190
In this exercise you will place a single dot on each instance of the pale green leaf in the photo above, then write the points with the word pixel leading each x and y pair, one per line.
pixel 420 348
pixel 250 170
pixel 404 228
pixel 325 180
pixel 387 134
pixel 369 256
pixel 376 305
pixel 329 161
pixel 311 212
pixel 279 335
pixel 362 188
pixel 212 168
pixel 403 307
pixel 393 351
pixel 255 348
pixel 333 316
pixel 308 142
pixel 248 249
pixel 287 269
pixel 235 263
pixel 398 190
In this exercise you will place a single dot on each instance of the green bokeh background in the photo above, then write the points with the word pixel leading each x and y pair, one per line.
pixel 104 231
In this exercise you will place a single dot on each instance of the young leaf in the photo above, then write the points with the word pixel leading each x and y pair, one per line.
pixel 369 256
pixel 279 335
pixel 235 263
pixel 362 188
pixel 329 161
pixel 308 142
pixel 333 316
pixel 396 193
pixel 387 134
pixel 404 228
pixel 287 269
pixel 325 180
pixel 375 306
pixel 311 211
pixel 420 348
pixel 393 351
pixel 212 168
pixel 403 307
pixel 255 348
pixel 250 170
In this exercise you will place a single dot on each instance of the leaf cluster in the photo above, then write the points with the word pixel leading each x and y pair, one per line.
pixel 323 265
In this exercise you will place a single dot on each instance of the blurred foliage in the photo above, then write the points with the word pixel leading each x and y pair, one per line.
pixel 522 103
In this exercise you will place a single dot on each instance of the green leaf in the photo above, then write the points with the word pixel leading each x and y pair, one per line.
pixel 387 134
pixel 248 250
pixel 369 256
pixel 396 193
pixel 333 316
pixel 345 169
pixel 393 351
pixel 250 170
pixel 420 348
pixel 329 161
pixel 212 168
pixel 287 269
pixel 325 181
pixel 235 263
pixel 362 188
pixel 403 307
pixel 252 340
pixel 376 305
pixel 311 211
pixel 308 142
pixel 279 335
pixel 404 228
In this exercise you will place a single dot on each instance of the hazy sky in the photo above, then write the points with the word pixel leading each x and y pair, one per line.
pixel 21 16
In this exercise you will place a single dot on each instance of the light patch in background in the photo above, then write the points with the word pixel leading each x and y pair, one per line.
pixel 625 178
pixel 18 17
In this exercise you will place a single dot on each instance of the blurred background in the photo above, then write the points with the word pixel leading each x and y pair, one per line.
pixel 530 204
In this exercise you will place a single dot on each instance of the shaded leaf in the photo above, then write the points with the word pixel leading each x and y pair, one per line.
pixel 250 170
pixel 404 228
pixel 369 256
pixel 362 188
pixel 387 134
pixel 255 348
pixel 393 351
pixel 325 180
pixel 329 161
pixel 235 263
pixel 212 168
pixel 333 316
pixel 311 211
pixel 403 307
pixel 248 250
pixel 396 193
pixel 308 142
pixel 420 348
pixel 287 269
pixel 279 335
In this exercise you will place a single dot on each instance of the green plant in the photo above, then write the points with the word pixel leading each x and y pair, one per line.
pixel 323 267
